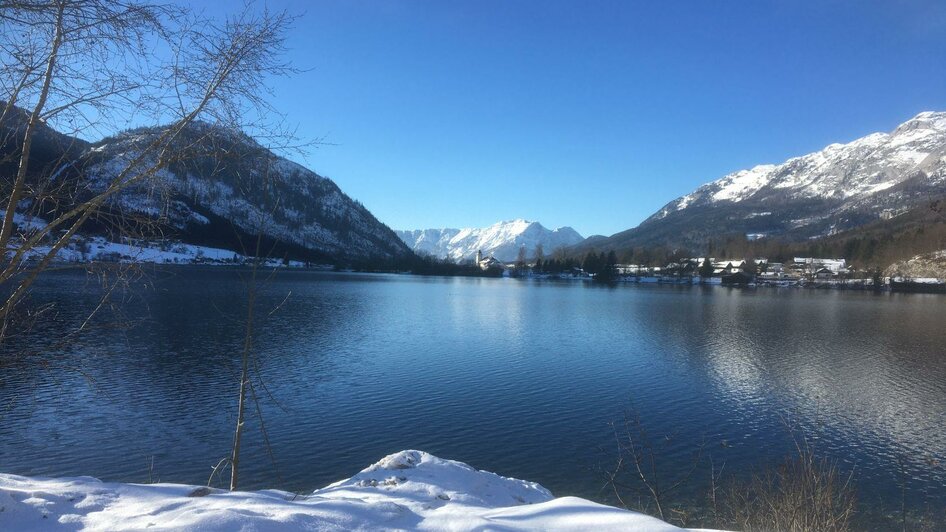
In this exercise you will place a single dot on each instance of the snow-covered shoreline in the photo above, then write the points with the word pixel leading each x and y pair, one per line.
pixel 96 249
pixel 408 490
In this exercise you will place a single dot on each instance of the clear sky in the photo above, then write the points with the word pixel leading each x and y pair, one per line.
pixel 592 114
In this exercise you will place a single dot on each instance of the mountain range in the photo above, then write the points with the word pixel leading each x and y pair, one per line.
pixel 502 240
pixel 225 191
pixel 871 181
pixel 881 197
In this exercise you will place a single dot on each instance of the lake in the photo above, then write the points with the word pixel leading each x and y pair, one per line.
pixel 519 377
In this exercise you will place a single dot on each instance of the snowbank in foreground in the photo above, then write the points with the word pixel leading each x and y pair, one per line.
pixel 406 490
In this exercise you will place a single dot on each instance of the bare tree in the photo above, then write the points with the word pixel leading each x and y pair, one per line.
pixel 560 253
pixel 521 261
pixel 539 257
pixel 93 66
pixel 802 493
pixel 254 283
pixel 637 470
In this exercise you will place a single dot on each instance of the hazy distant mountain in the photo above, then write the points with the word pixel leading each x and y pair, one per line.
pixel 841 187
pixel 502 240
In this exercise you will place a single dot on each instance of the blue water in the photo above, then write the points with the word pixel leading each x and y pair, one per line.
pixel 518 377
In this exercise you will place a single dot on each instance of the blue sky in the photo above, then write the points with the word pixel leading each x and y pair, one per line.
pixel 591 114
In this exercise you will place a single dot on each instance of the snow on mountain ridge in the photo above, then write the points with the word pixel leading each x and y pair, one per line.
pixel 847 172
pixel 312 212
pixel 502 240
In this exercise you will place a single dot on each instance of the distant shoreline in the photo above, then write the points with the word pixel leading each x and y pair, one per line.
pixel 898 285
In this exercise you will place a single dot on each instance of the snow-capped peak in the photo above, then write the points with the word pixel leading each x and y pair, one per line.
pixel 928 120
pixel 743 183
pixel 839 172
pixel 503 240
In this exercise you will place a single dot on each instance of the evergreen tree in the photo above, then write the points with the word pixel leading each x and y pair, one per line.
pixel 878 279
pixel 607 266
pixel 590 263
pixel 749 267
pixel 706 269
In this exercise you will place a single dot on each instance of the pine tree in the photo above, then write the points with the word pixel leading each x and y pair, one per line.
pixel 749 267
pixel 706 269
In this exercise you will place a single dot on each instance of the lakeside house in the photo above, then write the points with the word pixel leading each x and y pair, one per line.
pixel 637 270
pixel 817 272
pixel 486 263
pixel 758 269
pixel 728 267
pixel 818 268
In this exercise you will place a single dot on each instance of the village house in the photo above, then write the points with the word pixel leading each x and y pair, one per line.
pixel 773 271
pixel 818 268
pixel 486 263
pixel 728 267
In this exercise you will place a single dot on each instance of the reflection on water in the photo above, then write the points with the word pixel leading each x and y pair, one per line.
pixel 517 377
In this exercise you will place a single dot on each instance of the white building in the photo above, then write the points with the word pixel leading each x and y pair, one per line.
pixel 486 263
pixel 819 266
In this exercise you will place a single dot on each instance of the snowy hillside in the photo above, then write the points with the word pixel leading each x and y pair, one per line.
pixel 849 174
pixel 221 190
pixel 844 186
pixel 409 490
pixel 98 249
pixel 929 265
pixel 502 240
pixel 250 188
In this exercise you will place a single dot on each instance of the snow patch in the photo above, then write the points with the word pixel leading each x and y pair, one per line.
pixel 409 490
pixel 740 185
pixel 98 249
